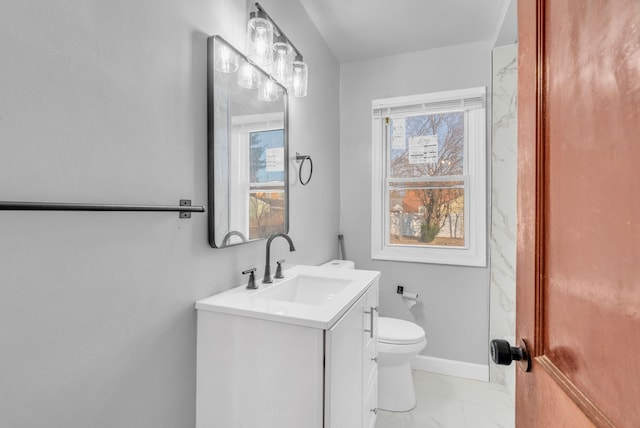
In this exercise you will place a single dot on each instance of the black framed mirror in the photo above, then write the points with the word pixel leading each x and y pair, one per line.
pixel 248 152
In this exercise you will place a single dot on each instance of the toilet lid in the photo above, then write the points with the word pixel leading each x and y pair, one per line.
pixel 395 331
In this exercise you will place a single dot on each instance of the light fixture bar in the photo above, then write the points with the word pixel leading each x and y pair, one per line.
pixel 280 32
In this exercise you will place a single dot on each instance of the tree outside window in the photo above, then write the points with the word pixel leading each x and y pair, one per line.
pixel 429 212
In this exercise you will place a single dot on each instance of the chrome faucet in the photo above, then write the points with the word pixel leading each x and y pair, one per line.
pixel 267 268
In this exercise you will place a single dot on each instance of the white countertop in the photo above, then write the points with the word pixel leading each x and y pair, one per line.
pixel 261 304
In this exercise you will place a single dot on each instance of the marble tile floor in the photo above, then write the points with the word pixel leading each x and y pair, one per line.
pixel 453 402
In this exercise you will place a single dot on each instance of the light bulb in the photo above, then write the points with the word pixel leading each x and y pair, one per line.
pixel 225 60
pixel 248 76
pixel 269 91
pixel 299 79
pixel 282 62
pixel 262 46
pixel 259 40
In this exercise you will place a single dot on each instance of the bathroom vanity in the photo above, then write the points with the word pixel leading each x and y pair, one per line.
pixel 300 352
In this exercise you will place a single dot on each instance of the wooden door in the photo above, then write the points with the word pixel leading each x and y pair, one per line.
pixel 578 263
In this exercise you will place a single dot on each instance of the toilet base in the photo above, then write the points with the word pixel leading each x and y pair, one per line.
pixel 395 388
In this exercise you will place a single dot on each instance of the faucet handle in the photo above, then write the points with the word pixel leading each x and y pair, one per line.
pixel 251 285
pixel 279 274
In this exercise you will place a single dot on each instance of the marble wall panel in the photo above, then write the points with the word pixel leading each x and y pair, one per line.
pixel 503 205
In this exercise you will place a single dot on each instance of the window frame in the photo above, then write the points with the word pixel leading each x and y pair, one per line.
pixel 475 177
pixel 240 186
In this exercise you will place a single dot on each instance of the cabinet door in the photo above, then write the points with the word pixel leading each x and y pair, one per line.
pixel 370 340
pixel 343 370
pixel 254 373
pixel 370 363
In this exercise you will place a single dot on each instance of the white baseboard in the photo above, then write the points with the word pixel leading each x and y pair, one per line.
pixel 451 367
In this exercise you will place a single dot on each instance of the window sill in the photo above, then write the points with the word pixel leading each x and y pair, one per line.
pixel 440 256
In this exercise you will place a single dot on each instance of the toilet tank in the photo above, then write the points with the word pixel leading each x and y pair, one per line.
pixel 340 264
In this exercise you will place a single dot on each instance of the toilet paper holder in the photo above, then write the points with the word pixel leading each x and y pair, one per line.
pixel 409 299
pixel 406 295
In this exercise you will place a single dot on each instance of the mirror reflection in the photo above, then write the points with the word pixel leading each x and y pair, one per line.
pixel 247 149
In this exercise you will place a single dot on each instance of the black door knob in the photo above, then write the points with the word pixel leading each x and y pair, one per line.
pixel 503 353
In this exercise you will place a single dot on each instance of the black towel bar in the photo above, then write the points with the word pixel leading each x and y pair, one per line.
pixel 185 208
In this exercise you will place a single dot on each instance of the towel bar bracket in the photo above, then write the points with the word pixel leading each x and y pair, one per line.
pixel 185 203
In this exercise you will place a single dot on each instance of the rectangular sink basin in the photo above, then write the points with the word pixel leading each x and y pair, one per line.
pixel 312 296
pixel 305 289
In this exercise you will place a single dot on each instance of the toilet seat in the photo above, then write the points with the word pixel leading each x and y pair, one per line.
pixel 399 332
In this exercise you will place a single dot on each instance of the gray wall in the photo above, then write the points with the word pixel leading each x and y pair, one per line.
pixel 454 308
pixel 105 101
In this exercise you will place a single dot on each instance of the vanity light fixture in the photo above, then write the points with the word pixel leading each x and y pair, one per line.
pixel 300 77
pixel 282 68
pixel 272 50
pixel 260 39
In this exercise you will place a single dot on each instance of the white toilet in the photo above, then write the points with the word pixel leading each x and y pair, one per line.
pixel 399 341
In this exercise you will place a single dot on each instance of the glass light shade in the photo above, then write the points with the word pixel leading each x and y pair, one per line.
pixel 282 62
pixel 299 79
pixel 226 60
pixel 260 41
pixel 268 91
pixel 248 76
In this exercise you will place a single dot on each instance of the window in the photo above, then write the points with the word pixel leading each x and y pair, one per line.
pixel 257 183
pixel 266 183
pixel 429 178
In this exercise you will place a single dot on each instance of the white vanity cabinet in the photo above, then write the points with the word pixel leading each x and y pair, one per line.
pixel 266 373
